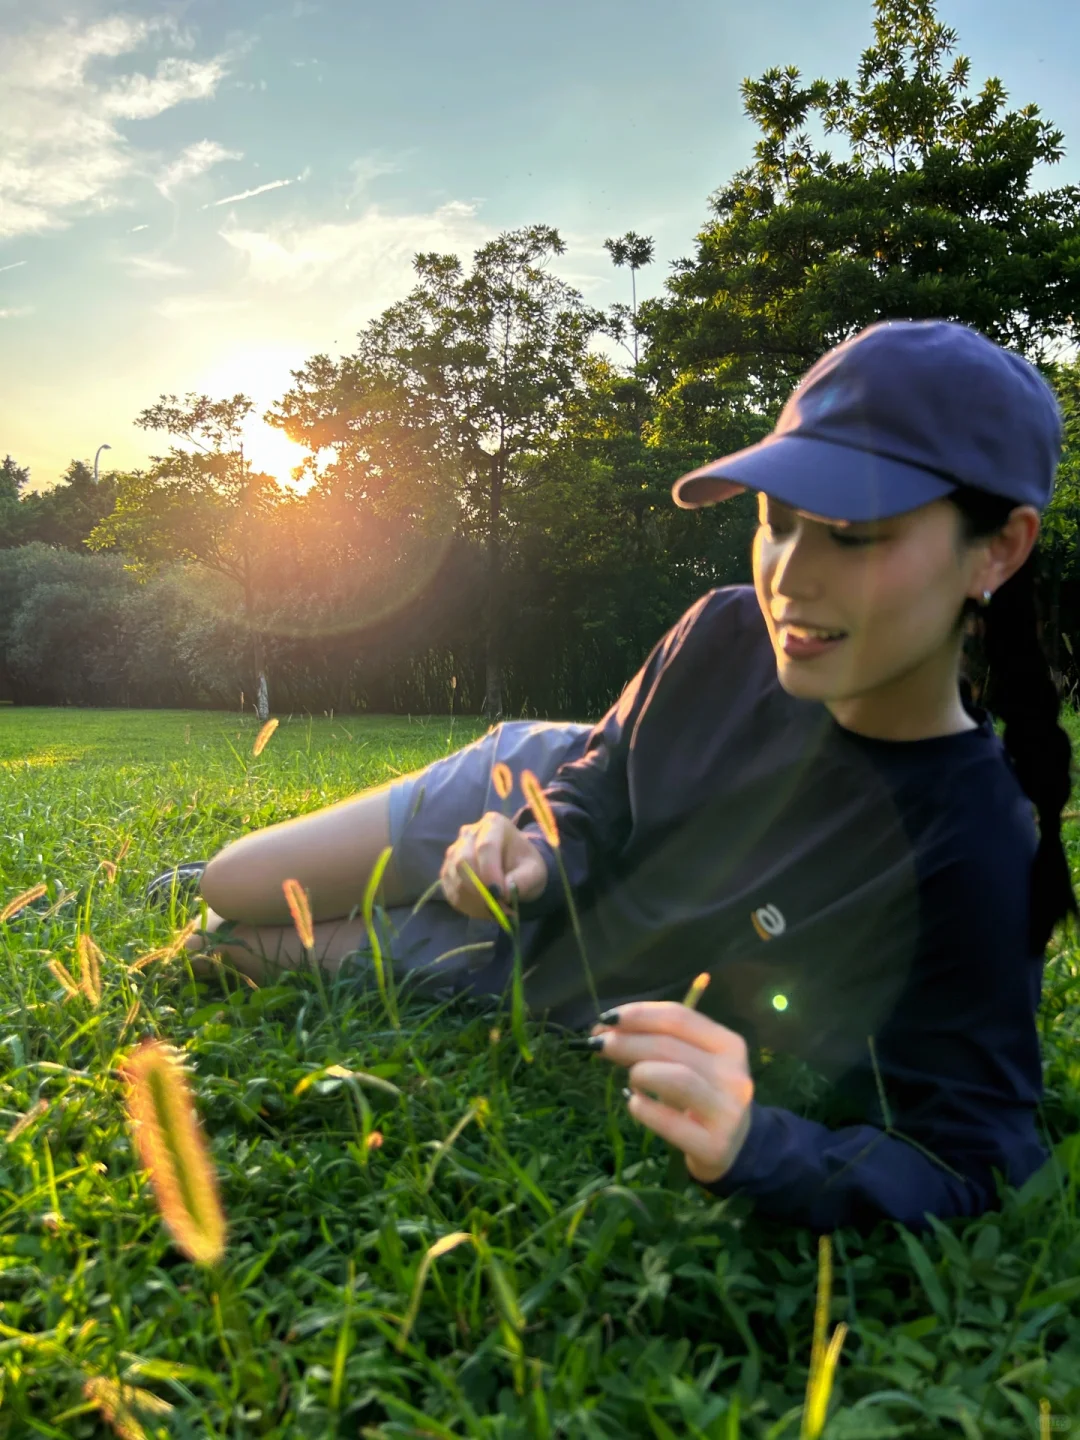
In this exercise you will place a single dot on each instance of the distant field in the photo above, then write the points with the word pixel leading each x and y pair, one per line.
pixel 599 1298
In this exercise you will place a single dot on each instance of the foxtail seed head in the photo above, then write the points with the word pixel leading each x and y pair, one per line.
pixel 21 901
pixel 538 804
pixel 503 780
pixel 263 736
pixel 89 969
pixel 60 972
pixel 173 1150
pixel 297 901
pixel 697 989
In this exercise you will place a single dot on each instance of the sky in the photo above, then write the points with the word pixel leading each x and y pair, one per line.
pixel 199 196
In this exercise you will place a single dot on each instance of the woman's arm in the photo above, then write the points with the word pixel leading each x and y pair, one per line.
pixel 589 798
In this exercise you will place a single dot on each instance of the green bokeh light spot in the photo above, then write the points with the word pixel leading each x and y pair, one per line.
pixel 779 1002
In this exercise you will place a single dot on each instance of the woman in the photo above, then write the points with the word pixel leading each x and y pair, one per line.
pixel 795 795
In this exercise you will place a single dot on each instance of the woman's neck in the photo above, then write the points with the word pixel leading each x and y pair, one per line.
pixel 918 706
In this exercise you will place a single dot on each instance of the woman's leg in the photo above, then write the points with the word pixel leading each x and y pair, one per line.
pixel 333 851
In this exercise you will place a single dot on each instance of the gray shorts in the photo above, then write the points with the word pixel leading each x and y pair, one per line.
pixel 436 947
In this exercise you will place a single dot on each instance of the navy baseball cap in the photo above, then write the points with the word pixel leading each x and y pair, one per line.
pixel 893 418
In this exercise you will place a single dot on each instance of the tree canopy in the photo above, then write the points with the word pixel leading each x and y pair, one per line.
pixel 488 521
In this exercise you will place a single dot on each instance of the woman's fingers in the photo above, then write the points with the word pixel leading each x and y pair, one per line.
pixel 490 844
pixel 472 848
pixel 699 1069
pixel 679 1022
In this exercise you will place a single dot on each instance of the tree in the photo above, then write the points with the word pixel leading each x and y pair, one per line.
pixel 204 504
pixel 635 251
pixel 929 213
pixel 450 392
pixel 12 479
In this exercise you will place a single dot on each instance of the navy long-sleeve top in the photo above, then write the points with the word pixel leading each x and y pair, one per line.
pixel 859 903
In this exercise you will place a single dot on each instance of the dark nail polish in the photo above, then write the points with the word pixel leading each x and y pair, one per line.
pixel 590 1042
pixel 609 1017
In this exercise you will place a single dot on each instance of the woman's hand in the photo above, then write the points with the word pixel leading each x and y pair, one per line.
pixel 500 855
pixel 700 1071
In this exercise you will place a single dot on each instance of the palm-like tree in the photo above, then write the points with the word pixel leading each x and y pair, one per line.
pixel 635 251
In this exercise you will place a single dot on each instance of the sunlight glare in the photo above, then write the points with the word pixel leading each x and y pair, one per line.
pixel 264 375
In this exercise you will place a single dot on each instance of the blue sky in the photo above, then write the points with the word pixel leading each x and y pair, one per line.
pixel 135 258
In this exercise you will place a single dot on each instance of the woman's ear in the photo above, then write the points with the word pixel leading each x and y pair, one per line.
pixel 1008 549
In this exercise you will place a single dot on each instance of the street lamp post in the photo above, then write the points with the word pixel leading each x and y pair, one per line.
pixel 99 450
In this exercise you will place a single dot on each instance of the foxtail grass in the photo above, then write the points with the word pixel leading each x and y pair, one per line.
pixel 545 818
pixel 502 779
pixel 263 737
pixel 119 1405
pixel 431 1254
pixel 172 1149
pixel 824 1355
pixel 90 958
pixel 697 989
pixel 21 901
pixel 371 889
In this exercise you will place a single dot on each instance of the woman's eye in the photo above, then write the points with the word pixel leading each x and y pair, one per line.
pixel 851 541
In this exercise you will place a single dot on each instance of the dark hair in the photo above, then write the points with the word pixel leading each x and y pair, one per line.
pixel 1020 690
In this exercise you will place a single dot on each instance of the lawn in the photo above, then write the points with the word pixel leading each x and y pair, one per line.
pixel 596 1294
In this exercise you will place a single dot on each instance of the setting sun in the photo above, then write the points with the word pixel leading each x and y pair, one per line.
pixel 264 375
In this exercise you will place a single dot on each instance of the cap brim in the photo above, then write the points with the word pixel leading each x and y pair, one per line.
pixel 836 482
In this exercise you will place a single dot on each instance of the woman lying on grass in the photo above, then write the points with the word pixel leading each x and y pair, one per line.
pixel 797 795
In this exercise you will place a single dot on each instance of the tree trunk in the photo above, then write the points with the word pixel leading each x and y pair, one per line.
pixel 493 686
pixel 262 689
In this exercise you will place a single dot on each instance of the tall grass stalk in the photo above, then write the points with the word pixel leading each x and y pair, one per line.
pixel 545 818
pixel 431 1254
pixel 386 992
pixel 517 1003
pixel 296 897
pixel 823 1355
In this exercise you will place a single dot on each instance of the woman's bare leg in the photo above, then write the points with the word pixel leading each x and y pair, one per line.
pixel 276 947
pixel 332 852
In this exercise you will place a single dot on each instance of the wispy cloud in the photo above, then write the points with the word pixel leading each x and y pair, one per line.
pixel 148 266
pixel 136 228
pixel 12 267
pixel 196 160
pixel 17 312
pixel 247 194
pixel 377 247
pixel 65 152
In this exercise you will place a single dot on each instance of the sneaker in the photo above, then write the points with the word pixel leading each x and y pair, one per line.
pixel 186 878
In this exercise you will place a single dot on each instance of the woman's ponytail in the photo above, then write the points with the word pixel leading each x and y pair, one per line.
pixel 1020 690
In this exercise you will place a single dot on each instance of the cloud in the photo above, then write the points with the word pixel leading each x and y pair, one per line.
pixel 12 267
pixel 247 194
pixel 136 228
pixel 64 151
pixel 196 160
pixel 146 265
pixel 141 97
pixel 377 248
pixel 17 312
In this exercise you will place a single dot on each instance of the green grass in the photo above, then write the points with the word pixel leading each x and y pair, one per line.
pixel 598 1298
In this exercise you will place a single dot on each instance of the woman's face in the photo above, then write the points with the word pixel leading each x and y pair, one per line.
pixel 891 590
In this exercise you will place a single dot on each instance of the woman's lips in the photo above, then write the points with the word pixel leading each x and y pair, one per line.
pixel 806 647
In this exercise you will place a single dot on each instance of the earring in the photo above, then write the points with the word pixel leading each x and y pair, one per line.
pixel 986 598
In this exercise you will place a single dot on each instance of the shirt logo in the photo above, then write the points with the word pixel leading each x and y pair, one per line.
pixel 768 921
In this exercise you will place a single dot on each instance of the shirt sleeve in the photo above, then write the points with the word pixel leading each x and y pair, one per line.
pixel 589 797
pixel 961 1072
